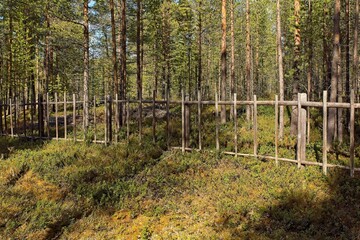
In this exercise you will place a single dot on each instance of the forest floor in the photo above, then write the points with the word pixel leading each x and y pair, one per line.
pixel 66 190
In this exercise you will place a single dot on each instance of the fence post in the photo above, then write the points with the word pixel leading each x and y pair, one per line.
pixel 1 117
pixel 40 116
pixel 106 120
pixel 303 117
pixel 324 148
pixel 235 125
pixel 11 119
pixel 255 126
pixel 56 117
pixel 154 117
pixel 199 119
pixel 276 129
pixel 167 117
pixel 95 137
pixel 15 116
pixel 140 118
pixel 182 121
pixel 65 117
pixel 24 117
pixel 352 133
pixel 32 111
pixel 117 122
pixel 74 116
pixel 110 118
pixel 128 119
pixel 217 121
pixel 47 116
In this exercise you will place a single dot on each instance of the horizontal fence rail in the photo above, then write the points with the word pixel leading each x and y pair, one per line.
pixel 43 119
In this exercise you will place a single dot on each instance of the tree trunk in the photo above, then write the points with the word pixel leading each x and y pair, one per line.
pixel 335 65
pixel 223 60
pixel 114 52
pixel 86 64
pixel 122 60
pixel 232 63
pixel 280 68
pixel 248 62
pixel 138 60
pixel 356 56
pixel 296 66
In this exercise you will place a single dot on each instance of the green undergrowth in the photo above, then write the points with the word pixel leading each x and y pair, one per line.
pixel 68 190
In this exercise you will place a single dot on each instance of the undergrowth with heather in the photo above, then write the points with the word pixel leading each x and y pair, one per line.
pixel 66 190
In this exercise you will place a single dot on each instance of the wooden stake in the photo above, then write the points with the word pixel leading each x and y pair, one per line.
pixel 128 120
pixel 56 117
pixel 276 129
pixel 235 125
pixel 47 116
pixel 1 117
pixel 106 121
pixel 299 131
pixel 74 116
pixel 183 120
pixel 255 126
pixel 199 119
pixel 167 118
pixel 154 117
pixel 117 123
pixel 324 150
pixel 11 119
pixel 65 116
pixel 217 122
pixel 24 117
pixel 110 118
pixel 352 133
pixel 95 136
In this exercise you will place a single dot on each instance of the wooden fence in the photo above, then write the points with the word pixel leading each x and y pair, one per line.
pixel 15 122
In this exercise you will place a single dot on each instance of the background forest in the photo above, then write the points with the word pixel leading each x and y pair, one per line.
pixel 133 48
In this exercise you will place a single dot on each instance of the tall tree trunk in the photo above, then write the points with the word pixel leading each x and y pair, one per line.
pixel 326 50
pixel 248 62
pixel 199 81
pixel 347 50
pixel 122 59
pixel 232 62
pixel 309 74
pixel 138 59
pixel 86 64
pixel 280 68
pixel 114 51
pixel 296 65
pixel 335 65
pixel 356 56
pixel 223 60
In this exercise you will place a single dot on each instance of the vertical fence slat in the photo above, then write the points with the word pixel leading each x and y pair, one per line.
pixel 95 132
pixel 11 119
pixel 154 117
pixel 74 116
pixel 255 126
pixel 24 117
pixel 128 120
pixel 110 136
pixel 352 133
pixel 32 110
pixel 140 119
pixel 47 116
pixel 199 119
pixel 65 116
pixel 16 105
pixel 1 117
pixel 117 123
pixel 182 121
pixel 106 121
pixel 40 116
pixel 167 118
pixel 217 122
pixel 276 129
pixel 56 117
pixel 298 131
pixel 324 150
pixel 235 125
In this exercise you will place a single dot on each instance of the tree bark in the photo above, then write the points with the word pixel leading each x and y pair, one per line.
pixel 86 63
pixel 114 51
pixel 280 68
pixel 122 60
pixel 232 63
pixel 138 60
pixel 296 66
pixel 355 50
pixel 249 93
pixel 335 65
pixel 223 60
